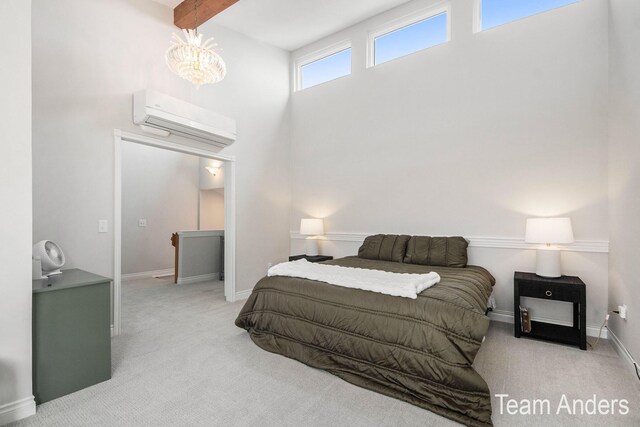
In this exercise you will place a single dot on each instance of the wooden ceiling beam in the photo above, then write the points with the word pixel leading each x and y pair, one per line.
pixel 184 14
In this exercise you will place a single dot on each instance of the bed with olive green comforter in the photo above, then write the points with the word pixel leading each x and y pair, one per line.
pixel 420 351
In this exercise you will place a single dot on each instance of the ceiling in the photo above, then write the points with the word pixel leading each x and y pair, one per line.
pixel 170 3
pixel 291 24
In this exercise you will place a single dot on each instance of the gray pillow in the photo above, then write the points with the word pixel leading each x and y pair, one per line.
pixel 384 247
pixel 437 251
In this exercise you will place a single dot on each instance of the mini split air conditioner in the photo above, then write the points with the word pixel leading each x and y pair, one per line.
pixel 155 110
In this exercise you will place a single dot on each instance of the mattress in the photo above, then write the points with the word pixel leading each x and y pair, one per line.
pixel 420 351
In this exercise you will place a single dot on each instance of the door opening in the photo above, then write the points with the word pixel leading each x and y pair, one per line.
pixel 211 212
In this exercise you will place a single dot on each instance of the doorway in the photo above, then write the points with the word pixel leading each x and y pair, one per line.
pixel 226 181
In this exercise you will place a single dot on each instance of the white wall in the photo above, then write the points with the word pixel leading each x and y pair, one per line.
pixel 16 397
pixel 160 186
pixel 624 171
pixel 212 209
pixel 470 137
pixel 211 195
pixel 88 58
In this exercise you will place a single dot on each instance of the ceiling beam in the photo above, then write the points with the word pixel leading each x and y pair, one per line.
pixel 184 14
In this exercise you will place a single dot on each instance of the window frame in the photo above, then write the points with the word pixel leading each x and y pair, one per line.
pixel 477 16
pixel 402 22
pixel 317 55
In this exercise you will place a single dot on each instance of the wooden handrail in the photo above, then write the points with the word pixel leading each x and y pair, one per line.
pixel 175 242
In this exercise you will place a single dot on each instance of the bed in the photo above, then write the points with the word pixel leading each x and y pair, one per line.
pixel 417 350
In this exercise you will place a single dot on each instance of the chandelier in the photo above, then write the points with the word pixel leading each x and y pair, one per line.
pixel 194 60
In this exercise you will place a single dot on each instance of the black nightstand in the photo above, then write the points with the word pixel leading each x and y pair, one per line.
pixel 311 258
pixel 565 288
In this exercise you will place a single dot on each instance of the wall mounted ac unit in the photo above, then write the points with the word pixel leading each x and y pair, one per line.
pixel 168 114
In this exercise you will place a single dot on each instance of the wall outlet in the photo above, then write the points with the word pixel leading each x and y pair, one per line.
pixel 623 311
pixel 103 226
pixel 142 222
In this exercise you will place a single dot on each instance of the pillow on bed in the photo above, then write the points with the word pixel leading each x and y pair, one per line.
pixel 385 247
pixel 437 251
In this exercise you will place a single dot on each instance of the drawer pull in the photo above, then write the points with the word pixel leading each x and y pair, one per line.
pixel 548 293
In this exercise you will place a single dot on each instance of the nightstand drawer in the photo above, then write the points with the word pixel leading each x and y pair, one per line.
pixel 548 291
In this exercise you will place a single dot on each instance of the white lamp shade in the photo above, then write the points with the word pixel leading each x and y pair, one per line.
pixel 549 231
pixel 311 227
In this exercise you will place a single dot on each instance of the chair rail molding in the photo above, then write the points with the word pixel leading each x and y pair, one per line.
pixel 596 246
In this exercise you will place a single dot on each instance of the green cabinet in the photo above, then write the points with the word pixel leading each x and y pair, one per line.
pixel 71 333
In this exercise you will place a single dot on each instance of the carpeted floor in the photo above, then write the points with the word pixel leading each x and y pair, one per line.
pixel 182 362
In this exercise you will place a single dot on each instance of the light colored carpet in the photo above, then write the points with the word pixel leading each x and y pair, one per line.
pixel 182 362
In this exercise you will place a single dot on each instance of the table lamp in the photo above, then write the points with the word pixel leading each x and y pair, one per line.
pixel 312 227
pixel 548 231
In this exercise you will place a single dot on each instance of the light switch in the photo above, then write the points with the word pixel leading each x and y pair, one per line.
pixel 142 222
pixel 103 226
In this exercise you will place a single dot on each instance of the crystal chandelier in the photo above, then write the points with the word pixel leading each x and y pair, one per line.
pixel 194 60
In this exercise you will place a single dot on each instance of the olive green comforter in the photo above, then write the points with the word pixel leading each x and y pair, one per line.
pixel 419 350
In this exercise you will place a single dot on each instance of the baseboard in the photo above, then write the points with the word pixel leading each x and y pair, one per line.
pixel 623 352
pixel 197 279
pixel 507 317
pixel 17 410
pixel 145 274
pixel 242 295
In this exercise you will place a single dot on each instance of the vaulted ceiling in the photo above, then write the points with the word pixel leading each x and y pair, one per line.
pixel 291 24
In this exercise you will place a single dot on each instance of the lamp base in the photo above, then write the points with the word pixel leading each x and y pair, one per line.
pixel 548 263
pixel 312 246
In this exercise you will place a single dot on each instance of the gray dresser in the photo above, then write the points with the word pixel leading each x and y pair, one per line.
pixel 71 333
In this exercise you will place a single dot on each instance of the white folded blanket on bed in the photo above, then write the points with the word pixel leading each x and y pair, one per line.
pixel 397 284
